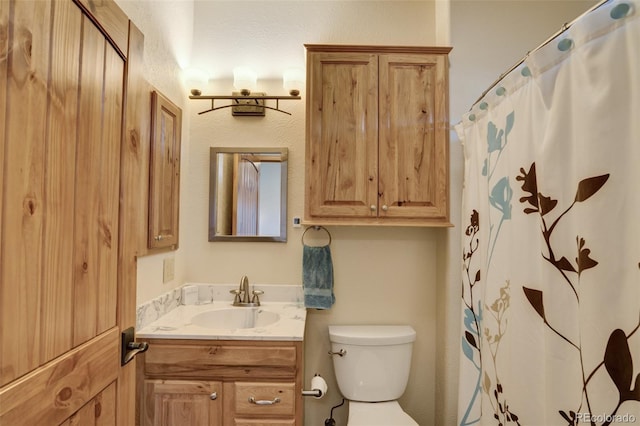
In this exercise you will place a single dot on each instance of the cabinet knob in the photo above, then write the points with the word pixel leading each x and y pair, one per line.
pixel 373 208
pixel 158 238
pixel 385 207
pixel 213 396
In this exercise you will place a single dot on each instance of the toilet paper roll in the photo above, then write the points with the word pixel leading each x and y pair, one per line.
pixel 318 383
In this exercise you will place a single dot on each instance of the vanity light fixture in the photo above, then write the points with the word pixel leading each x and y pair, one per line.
pixel 246 102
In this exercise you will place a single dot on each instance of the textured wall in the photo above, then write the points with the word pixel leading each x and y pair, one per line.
pixel 382 275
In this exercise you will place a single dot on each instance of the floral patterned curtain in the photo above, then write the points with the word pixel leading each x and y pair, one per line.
pixel 551 233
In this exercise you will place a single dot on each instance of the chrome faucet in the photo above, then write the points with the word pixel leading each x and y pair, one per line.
pixel 242 294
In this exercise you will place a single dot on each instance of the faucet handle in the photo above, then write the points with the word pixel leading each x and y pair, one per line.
pixel 256 296
pixel 237 293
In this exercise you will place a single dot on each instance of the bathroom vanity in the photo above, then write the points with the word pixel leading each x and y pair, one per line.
pixel 222 382
pixel 199 370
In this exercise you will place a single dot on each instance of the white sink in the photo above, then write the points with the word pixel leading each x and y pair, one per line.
pixel 236 317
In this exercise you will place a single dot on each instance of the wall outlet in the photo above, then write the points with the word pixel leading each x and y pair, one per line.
pixel 168 270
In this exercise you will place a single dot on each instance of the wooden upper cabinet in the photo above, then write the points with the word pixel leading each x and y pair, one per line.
pixel 377 148
pixel 342 170
pixel 164 173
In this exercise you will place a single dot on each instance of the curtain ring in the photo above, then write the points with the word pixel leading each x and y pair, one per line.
pixel 317 228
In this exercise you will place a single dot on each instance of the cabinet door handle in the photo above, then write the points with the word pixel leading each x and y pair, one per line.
pixel 385 207
pixel 373 207
pixel 252 400
pixel 158 238
pixel 213 396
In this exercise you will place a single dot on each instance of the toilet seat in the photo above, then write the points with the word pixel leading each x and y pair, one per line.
pixel 378 414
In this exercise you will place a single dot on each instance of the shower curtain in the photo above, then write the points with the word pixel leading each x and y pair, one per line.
pixel 551 233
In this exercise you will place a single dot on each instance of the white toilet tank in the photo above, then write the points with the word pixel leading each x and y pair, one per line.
pixel 376 363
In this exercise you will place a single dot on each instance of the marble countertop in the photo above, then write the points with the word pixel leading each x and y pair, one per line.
pixel 177 324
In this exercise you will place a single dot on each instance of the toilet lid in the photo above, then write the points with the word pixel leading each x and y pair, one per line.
pixel 378 414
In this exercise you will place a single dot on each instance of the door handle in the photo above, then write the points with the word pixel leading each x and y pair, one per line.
pixel 129 347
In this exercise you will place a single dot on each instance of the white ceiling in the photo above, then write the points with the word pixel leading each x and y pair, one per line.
pixel 269 35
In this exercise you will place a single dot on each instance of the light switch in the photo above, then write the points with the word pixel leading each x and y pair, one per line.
pixel 168 269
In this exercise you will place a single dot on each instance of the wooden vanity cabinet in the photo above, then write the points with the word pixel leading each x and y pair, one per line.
pixel 377 137
pixel 182 402
pixel 221 382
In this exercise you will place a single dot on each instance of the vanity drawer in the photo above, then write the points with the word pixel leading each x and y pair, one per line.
pixel 220 360
pixel 269 399
pixel 249 422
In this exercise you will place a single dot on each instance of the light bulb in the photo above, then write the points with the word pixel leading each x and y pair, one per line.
pixel 293 80
pixel 195 80
pixel 244 79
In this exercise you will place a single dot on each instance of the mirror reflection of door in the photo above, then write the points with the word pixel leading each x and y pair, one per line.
pixel 245 195
pixel 248 194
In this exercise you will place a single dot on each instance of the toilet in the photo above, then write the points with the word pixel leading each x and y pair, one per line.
pixel 372 364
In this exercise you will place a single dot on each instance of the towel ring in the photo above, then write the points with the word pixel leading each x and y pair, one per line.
pixel 317 228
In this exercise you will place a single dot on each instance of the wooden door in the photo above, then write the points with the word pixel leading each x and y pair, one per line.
pixel 342 104
pixel 413 136
pixel 182 402
pixel 65 266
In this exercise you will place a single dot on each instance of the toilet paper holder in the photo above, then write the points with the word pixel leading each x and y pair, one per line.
pixel 319 387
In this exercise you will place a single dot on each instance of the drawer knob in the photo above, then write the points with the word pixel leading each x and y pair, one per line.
pixel 213 396
pixel 252 400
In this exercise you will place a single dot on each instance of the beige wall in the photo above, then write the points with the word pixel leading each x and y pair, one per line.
pixel 383 275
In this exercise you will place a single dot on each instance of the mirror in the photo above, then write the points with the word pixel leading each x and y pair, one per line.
pixel 248 194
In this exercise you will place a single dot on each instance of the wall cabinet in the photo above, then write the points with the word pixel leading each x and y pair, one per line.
pixel 377 137
pixel 164 173
pixel 230 383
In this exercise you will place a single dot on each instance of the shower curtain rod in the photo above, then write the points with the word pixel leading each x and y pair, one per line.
pixel 564 28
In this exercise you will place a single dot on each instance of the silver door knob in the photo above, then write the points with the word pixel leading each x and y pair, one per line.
pixel 385 207
pixel 373 208
pixel 213 396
